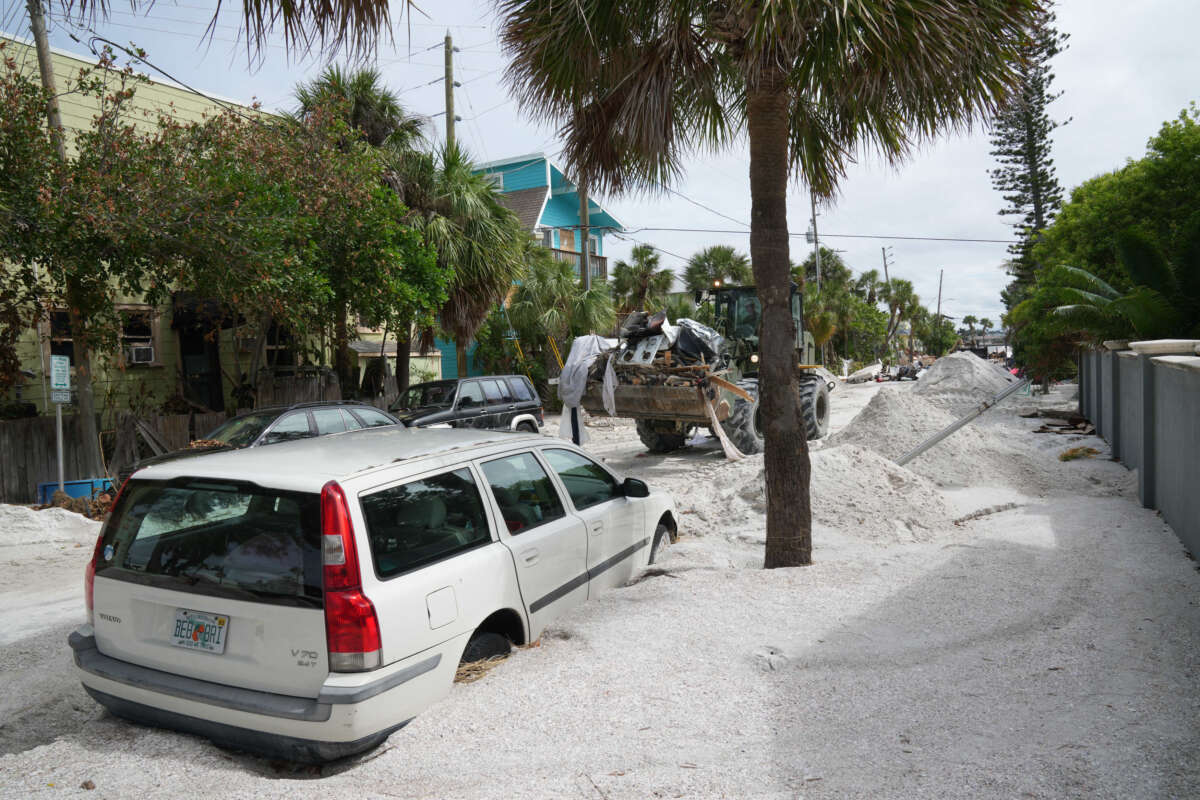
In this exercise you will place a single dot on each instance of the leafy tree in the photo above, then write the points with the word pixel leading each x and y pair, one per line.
pixel 639 284
pixel 1164 300
pixel 835 274
pixel 717 263
pixel 1021 142
pixel 937 333
pixel 359 98
pixel 1156 194
pixel 638 84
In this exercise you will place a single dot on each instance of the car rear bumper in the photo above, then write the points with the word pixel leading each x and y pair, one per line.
pixel 353 712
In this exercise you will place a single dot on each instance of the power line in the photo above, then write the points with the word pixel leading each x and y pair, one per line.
pixel 834 235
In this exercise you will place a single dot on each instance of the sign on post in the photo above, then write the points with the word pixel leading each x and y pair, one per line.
pixel 60 392
pixel 60 373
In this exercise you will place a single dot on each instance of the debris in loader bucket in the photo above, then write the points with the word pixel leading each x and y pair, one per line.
pixel 673 379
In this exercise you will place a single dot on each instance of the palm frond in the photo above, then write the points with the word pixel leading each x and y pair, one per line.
pixel 1144 262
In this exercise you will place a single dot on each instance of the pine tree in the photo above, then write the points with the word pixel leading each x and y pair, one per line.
pixel 1021 138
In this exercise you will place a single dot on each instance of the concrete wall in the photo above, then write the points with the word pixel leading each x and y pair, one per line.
pixel 1148 409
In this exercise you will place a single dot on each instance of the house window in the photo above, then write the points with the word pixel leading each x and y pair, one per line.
pixel 547 238
pixel 61 343
pixel 496 179
pixel 137 336
pixel 281 347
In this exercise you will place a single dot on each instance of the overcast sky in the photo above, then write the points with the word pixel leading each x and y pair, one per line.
pixel 1129 67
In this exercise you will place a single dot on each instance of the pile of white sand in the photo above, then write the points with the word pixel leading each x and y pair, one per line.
pixel 20 525
pixel 961 381
pixel 854 490
pixel 898 419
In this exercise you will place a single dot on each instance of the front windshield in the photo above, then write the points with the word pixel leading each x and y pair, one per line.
pixel 242 431
pixel 744 314
pixel 439 394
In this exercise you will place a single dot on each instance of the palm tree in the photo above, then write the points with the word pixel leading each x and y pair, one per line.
pixel 970 321
pixel 638 84
pixel 867 286
pixel 479 240
pixel 900 299
pixel 985 325
pixel 550 303
pixel 638 284
pixel 717 263
pixel 328 26
pixel 365 103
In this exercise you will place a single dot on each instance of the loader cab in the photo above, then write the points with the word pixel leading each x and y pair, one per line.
pixel 739 317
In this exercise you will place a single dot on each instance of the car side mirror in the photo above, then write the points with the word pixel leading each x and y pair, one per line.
pixel 634 487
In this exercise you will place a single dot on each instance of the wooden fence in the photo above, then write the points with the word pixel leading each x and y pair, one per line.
pixel 286 390
pixel 28 457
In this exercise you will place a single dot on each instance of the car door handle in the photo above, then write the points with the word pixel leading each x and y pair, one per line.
pixel 513 406
pixel 597 527
pixel 530 556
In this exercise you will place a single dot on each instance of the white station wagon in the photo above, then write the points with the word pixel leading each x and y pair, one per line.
pixel 305 600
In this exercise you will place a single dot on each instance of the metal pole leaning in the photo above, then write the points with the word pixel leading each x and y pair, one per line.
pixel 942 434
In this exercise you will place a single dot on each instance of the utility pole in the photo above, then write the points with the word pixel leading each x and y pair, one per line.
pixel 812 197
pixel 449 81
pixel 938 318
pixel 85 402
pixel 886 279
pixel 584 235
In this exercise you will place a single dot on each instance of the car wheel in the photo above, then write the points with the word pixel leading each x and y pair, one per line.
pixel 527 426
pixel 486 645
pixel 662 540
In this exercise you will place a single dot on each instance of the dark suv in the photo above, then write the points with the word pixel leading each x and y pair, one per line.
pixel 277 424
pixel 500 402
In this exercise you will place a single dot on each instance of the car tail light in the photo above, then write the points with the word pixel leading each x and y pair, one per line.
pixel 89 572
pixel 351 626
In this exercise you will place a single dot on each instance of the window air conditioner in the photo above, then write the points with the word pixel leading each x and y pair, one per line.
pixel 141 354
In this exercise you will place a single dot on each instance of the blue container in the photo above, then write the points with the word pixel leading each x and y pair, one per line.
pixel 84 488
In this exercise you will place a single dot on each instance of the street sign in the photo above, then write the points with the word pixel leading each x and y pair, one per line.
pixel 60 395
pixel 60 372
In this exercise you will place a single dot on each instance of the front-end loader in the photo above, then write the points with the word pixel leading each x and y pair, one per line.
pixel 673 379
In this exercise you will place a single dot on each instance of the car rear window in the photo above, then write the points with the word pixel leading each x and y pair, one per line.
pixel 223 539
pixel 420 522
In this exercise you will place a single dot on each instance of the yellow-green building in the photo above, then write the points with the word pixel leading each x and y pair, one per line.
pixel 183 349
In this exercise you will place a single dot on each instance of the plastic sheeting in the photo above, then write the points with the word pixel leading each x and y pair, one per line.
pixel 572 383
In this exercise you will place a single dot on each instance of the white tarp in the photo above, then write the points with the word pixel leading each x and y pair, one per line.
pixel 572 383
pixel 865 374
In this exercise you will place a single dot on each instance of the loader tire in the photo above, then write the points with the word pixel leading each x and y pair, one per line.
pixel 743 426
pixel 661 436
pixel 814 407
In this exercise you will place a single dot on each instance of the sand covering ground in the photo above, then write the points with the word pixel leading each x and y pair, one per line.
pixel 1045 647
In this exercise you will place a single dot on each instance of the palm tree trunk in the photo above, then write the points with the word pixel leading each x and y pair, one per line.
pixel 789 511
pixel 460 353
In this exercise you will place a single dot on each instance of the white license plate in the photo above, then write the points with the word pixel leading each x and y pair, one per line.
pixel 196 630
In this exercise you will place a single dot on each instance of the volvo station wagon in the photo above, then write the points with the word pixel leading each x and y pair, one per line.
pixel 305 600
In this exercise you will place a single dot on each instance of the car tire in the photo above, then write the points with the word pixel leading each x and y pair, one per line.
pixel 527 427
pixel 662 541
pixel 486 645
